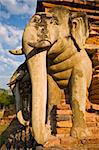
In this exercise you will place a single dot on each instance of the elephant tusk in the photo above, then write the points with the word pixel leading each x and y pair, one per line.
pixel 16 52
pixel 21 120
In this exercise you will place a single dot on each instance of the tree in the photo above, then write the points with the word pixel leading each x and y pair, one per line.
pixel 6 99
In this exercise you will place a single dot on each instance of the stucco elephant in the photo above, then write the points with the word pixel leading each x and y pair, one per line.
pixel 17 81
pixel 53 43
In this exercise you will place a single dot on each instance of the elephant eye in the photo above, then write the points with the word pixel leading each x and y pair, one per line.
pixel 37 19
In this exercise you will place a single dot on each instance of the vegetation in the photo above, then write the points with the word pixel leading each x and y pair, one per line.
pixel 3 127
pixel 5 98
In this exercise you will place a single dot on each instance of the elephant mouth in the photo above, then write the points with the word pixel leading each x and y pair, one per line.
pixel 40 44
pixel 43 45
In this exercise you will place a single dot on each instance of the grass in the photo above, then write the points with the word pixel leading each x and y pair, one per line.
pixel 3 128
pixel 1 113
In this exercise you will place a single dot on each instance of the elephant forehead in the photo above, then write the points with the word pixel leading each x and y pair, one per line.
pixel 42 19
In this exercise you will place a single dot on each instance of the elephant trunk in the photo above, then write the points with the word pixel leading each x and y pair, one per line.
pixel 37 69
pixel 19 105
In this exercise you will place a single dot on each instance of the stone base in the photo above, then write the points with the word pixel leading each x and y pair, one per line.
pixel 69 142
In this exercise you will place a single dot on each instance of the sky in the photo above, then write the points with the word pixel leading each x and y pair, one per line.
pixel 14 15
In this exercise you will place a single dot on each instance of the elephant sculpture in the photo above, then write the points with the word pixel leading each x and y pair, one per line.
pixel 17 81
pixel 53 43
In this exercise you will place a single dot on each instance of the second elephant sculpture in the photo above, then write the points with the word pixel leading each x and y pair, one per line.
pixel 19 81
pixel 53 43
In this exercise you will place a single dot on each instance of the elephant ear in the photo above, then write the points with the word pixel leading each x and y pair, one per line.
pixel 79 28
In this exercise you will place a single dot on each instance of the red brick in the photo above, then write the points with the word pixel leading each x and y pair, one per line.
pixel 63 135
pixel 63 118
pixel 60 136
pixel 69 141
pixel 90 114
pixel 54 141
pixel 95 106
pixel 91 124
pixel 64 124
pixel 64 106
pixel 94 130
pixel 91 119
pixel 94 99
pixel 64 112
pixel 63 130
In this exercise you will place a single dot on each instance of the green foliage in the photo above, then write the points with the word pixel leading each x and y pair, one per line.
pixel 5 98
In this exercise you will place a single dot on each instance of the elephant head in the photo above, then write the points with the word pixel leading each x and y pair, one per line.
pixel 43 31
